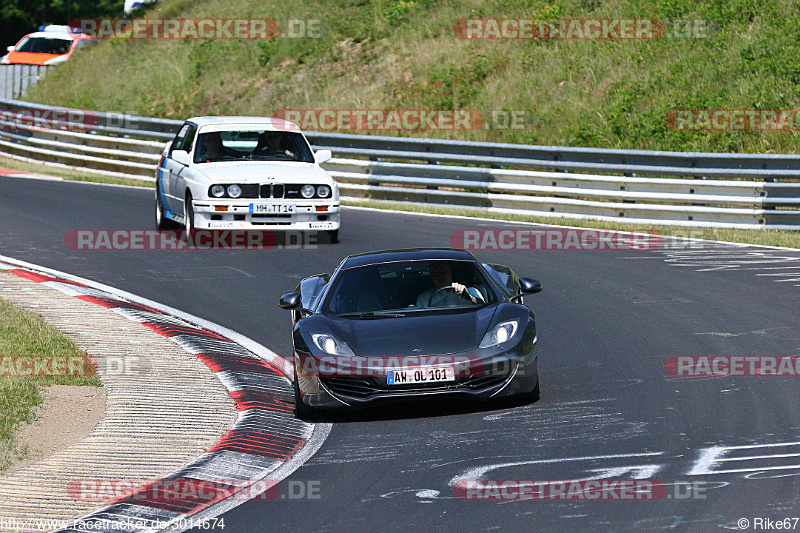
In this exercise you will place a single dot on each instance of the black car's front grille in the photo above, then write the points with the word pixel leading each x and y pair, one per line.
pixel 363 387
pixel 357 387
pixel 484 381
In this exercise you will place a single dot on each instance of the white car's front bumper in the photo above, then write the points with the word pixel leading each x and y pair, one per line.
pixel 310 215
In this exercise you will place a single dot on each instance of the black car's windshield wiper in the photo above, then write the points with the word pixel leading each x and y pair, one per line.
pixel 372 314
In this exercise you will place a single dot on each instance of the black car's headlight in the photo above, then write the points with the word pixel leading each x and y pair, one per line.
pixel 500 333
pixel 331 345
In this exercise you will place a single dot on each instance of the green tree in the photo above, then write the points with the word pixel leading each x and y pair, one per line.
pixel 19 17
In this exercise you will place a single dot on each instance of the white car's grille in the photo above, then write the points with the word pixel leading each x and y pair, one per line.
pixel 272 190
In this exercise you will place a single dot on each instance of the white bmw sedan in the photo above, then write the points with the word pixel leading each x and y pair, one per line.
pixel 245 173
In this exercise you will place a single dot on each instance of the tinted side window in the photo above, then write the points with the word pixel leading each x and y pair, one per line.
pixel 177 143
pixel 188 140
pixel 508 281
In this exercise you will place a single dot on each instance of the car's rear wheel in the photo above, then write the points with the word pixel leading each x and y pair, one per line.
pixel 301 410
pixel 334 235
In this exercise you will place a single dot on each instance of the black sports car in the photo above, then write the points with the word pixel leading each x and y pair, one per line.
pixel 406 323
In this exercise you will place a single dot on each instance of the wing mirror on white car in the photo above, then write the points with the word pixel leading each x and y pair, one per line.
pixel 323 156
pixel 181 156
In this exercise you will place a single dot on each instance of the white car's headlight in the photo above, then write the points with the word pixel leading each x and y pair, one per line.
pixel 234 191
pixel 217 191
pixel 323 191
pixel 331 345
pixel 307 191
pixel 56 60
pixel 500 333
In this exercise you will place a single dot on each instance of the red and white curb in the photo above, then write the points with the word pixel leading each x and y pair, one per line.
pixel 265 445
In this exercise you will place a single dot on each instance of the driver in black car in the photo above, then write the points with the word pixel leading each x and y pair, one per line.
pixel 442 276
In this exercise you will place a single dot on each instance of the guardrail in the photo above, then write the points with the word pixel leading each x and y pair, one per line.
pixel 675 188
pixel 14 79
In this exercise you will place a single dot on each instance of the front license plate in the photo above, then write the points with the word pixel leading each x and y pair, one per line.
pixel 261 209
pixel 423 374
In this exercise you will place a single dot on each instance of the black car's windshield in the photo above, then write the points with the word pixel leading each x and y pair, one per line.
pixel 408 287
pixel 45 45
pixel 265 145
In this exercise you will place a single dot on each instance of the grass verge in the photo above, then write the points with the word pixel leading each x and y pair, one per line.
pixel 406 54
pixel 25 333
pixel 67 174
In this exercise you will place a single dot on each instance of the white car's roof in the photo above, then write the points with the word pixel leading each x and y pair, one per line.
pixel 277 123
pixel 53 35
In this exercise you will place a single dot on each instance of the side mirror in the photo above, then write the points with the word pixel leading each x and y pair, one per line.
pixel 181 156
pixel 323 156
pixel 10 48
pixel 290 301
pixel 530 285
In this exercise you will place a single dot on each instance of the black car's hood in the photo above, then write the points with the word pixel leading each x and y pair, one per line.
pixel 429 334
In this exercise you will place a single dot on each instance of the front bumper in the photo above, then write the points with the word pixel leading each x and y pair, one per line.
pixel 501 375
pixel 308 215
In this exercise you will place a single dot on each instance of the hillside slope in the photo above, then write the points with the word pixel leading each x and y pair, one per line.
pixel 389 54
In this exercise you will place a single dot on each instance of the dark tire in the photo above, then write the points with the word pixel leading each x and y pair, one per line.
pixel 162 222
pixel 533 395
pixel 188 214
pixel 526 397
pixel 301 410
pixel 333 235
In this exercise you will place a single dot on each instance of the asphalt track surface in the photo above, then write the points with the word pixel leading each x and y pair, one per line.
pixel 607 320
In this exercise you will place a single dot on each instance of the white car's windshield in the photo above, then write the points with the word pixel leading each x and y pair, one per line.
pixel 45 45
pixel 257 145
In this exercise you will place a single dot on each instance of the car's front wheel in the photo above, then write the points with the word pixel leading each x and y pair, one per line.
pixel 188 213
pixel 301 410
pixel 534 394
